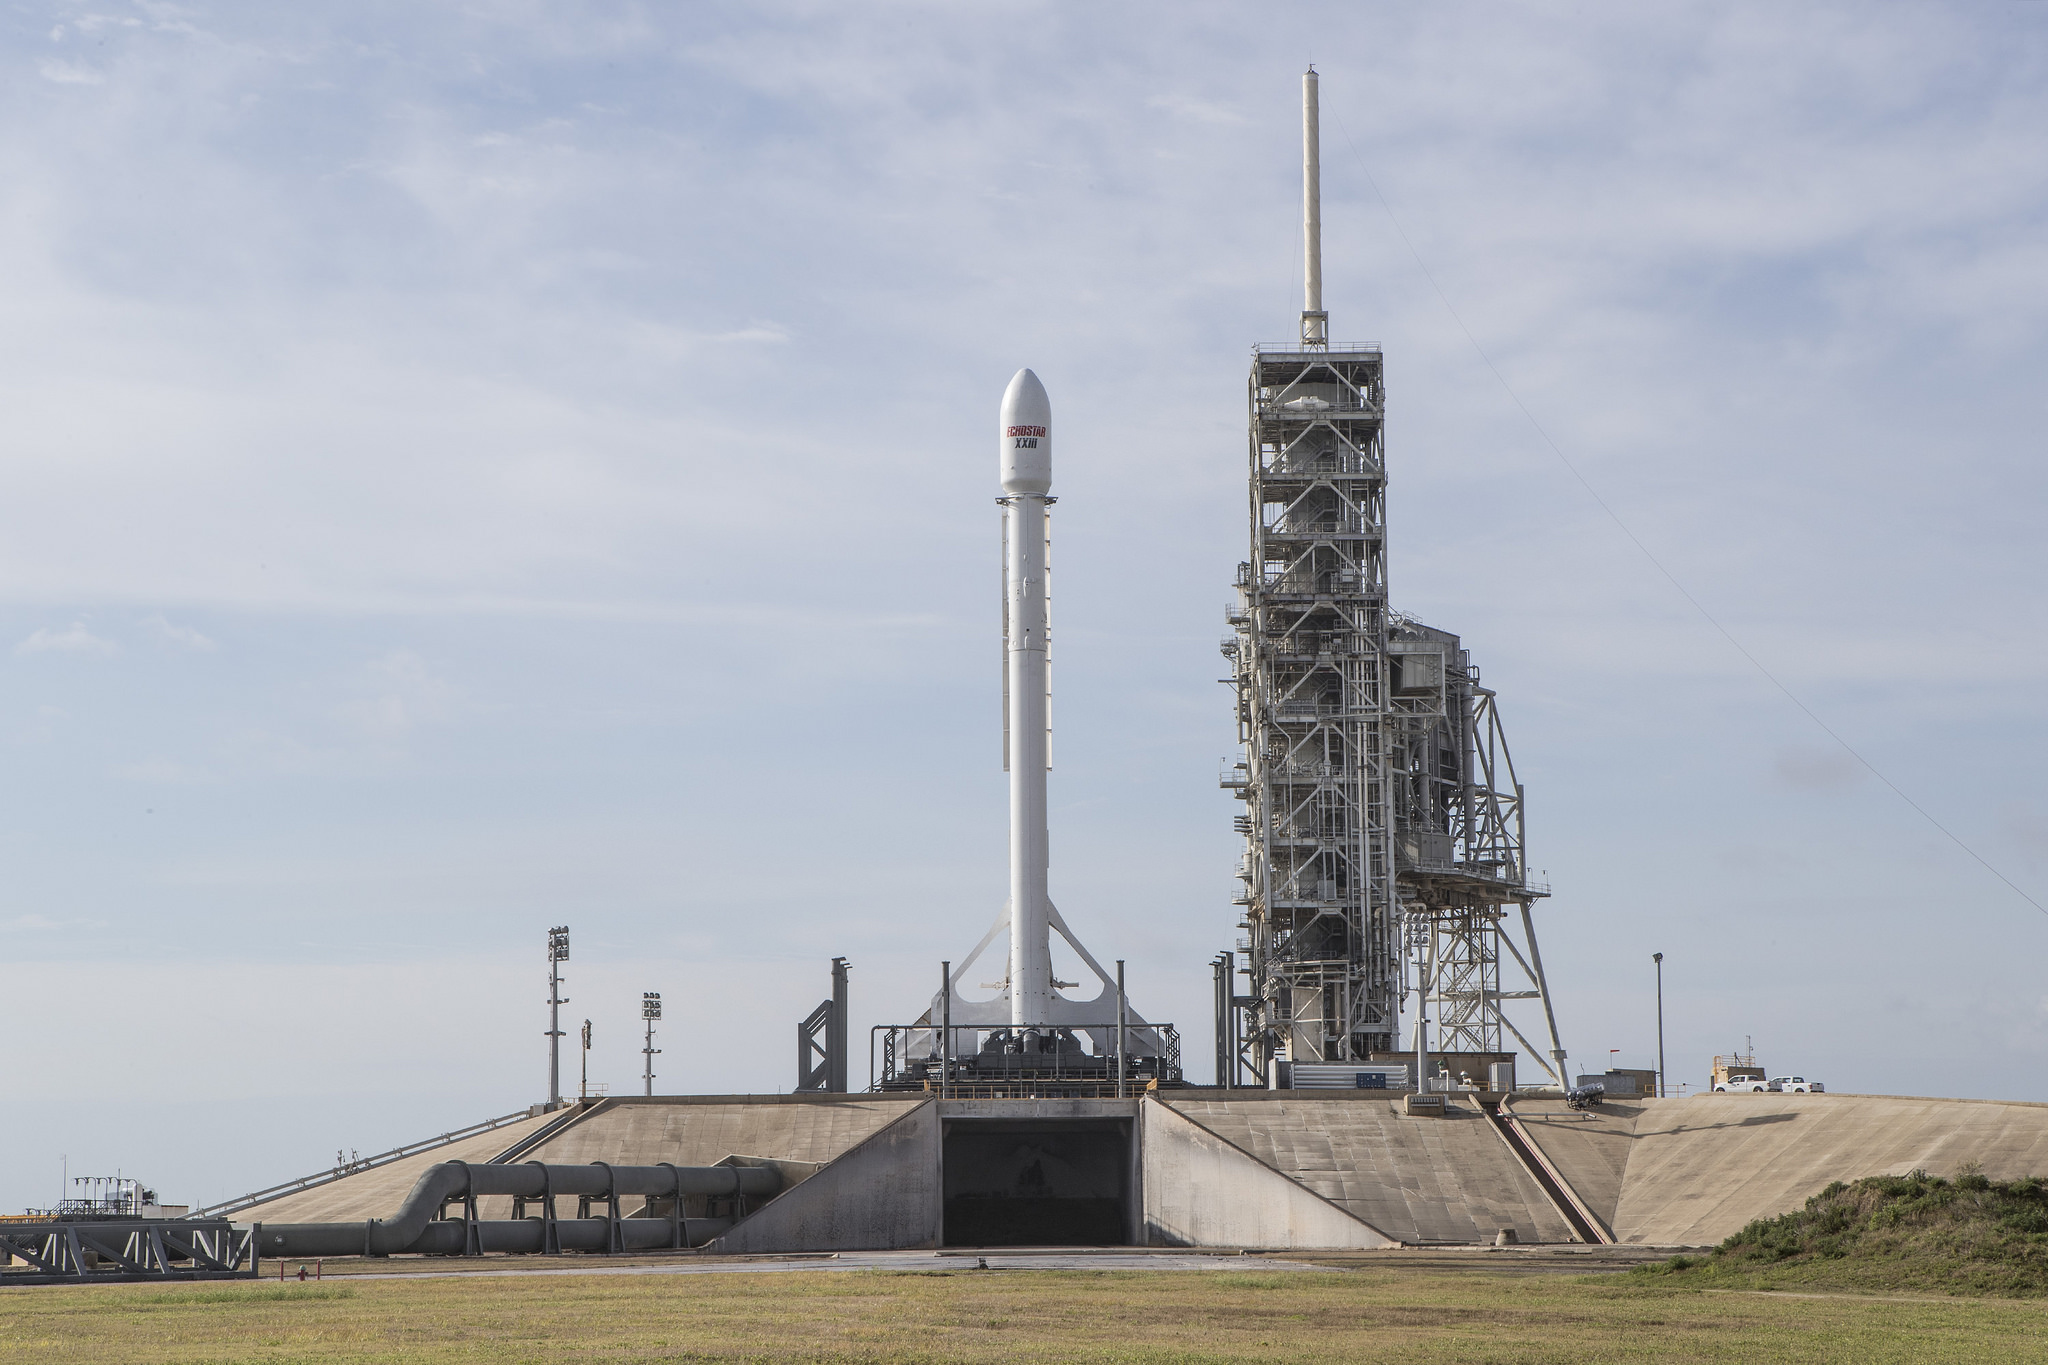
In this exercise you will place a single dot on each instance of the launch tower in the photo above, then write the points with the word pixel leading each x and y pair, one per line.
pixel 1382 815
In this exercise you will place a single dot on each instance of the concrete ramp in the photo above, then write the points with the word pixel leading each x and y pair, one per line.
pixel 1202 1191
pixel 681 1130
pixel 1414 1179
pixel 884 1194
pixel 377 1192
pixel 1693 1171
pixel 695 1131
pixel 1588 1148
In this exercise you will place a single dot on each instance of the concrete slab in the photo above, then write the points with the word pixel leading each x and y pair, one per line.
pixel 1416 1179
pixel 1702 1167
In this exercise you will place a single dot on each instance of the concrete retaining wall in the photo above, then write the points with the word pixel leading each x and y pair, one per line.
pixel 1200 1190
pixel 884 1194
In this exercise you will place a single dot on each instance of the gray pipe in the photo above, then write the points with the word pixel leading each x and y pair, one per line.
pixel 415 1229
pixel 450 1236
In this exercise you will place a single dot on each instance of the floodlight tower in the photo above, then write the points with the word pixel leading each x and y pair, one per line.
pixel 650 1010
pixel 584 1092
pixel 1382 814
pixel 558 953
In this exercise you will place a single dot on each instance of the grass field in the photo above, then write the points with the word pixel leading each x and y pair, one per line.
pixel 961 1314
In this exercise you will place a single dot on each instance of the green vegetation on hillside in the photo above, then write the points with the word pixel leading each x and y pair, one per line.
pixel 1916 1233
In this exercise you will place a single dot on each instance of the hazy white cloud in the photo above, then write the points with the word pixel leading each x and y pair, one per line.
pixel 41 723
pixel 397 694
pixel 160 771
pixel 69 73
pixel 183 637
pixel 73 639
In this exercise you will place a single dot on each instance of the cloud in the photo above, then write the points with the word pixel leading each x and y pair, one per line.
pixel 399 693
pixel 184 637
pixel 69 73
pixel 159 771
pixel 31 922
pixel 74 639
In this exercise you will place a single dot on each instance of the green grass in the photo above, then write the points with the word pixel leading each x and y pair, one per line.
pixel 1186 1318
pixel 1902 1234
pixel 180 1298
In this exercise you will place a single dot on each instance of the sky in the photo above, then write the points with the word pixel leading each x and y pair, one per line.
pixel 471 468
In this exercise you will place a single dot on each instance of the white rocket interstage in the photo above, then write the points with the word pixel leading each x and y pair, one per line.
pixel 1029 1002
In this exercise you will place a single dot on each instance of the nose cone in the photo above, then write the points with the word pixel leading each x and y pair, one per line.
pixel 1024 436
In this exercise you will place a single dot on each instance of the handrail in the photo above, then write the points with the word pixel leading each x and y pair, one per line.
pixel 1280 348
pixel 1146 1040
pixel 311 1182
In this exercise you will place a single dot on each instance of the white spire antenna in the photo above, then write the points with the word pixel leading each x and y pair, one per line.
pixel 1315 323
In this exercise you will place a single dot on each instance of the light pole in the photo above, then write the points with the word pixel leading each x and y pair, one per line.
pixel 1658 958
pixel 650 1010
pixel 558 953
pixel 584 1093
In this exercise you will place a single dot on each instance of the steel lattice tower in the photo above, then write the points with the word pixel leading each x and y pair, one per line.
pixel 1382 820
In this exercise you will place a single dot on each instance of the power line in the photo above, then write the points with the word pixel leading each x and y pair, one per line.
pixel 1637 541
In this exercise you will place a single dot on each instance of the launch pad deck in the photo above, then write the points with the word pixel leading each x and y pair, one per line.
pixel 1195 1168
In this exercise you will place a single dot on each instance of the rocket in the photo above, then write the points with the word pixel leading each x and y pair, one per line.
pixel 1024 459
pixel 1030 1014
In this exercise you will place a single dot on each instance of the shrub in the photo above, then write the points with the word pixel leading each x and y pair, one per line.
pixel 1972 1234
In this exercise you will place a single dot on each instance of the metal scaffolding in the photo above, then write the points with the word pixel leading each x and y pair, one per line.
pixel 1378 786
pixel 1382 819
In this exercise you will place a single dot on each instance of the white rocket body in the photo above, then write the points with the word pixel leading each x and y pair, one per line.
pixel 1030 1013
pixel 1024 447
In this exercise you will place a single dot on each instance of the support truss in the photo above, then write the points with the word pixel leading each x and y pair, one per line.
pixel 1379 792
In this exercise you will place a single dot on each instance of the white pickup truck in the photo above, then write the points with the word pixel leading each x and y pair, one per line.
pixel 1797 1085
pixel 1748 1084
